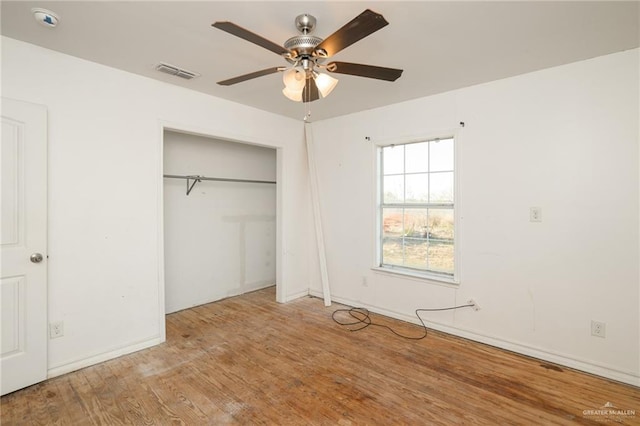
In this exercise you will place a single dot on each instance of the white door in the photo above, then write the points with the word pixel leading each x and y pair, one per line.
pixel 23 237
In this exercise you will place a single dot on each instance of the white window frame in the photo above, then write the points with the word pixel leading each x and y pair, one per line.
pixel 425 276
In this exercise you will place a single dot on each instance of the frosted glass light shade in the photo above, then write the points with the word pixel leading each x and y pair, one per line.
pixel 294 79
pixel 325 84
pixel 294 95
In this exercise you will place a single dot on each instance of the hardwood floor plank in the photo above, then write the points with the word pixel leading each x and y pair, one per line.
pixel 248 360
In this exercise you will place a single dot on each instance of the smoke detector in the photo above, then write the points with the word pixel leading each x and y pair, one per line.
pixel 45 17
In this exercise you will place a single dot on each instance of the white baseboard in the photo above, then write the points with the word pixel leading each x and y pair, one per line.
pixel 539 353
pixel 106 356
pixel 295 296
pixel 238 291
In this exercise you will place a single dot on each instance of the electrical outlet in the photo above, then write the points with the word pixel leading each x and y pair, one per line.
pixel 535 214
pixel 598 329
pixel 364 282
pixel 474 306
pixel 56 329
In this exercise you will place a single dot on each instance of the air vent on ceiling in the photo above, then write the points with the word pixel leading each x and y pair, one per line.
pixel 178 72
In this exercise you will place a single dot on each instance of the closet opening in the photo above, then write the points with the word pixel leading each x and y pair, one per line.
pixel 220 215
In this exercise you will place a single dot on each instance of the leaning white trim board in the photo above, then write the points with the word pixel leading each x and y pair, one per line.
pixel 315 202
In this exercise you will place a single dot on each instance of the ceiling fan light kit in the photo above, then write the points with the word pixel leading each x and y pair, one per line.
pixel 294 95
pixel 294 79
pixel 306 54
pixel 325 83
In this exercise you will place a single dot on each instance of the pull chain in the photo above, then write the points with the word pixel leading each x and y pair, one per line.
pixel 306 103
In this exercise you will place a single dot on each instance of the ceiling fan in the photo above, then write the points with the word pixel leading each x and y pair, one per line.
pixel 304 79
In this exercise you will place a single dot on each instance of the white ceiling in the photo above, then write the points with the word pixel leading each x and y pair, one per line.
pixel 440 45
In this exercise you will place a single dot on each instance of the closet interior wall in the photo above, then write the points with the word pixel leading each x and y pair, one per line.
pixel 220 240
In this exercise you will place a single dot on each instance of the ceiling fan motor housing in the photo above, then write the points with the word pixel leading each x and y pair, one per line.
pixel 303 45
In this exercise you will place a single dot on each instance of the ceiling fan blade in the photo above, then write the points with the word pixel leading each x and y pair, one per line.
pixel 245 34
pixel 249 76
pixel 361 70
pixel 358 28
pixel 310 92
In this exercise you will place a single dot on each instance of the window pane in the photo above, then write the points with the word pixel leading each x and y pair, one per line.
pixel 441 188
pixel 415 223
pixel 415 253
pixel 416 157
pixel 417 188
pixel 441 224
pixel 392 253
pixel 441 155
pixel 393 159
pixel 440 257
pixel 392 225
pixel 393 189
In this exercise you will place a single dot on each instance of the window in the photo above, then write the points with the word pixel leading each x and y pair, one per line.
pixel 416 209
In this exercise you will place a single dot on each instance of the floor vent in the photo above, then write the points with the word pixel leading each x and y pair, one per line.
pixel 178 72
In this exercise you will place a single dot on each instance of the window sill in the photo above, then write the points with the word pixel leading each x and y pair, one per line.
pixel 428 278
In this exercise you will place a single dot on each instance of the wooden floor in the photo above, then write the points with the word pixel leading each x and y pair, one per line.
pixel 249 360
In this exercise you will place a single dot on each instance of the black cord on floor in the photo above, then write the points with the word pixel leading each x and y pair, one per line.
pixel 363 320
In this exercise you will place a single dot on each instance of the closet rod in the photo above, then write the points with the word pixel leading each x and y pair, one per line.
pixel 198 178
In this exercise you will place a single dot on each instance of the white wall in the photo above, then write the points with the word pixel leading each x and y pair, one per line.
pixel 105 194
pixel 564 139
pixel 220 240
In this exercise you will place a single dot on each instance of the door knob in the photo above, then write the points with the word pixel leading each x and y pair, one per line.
pixel 36 258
